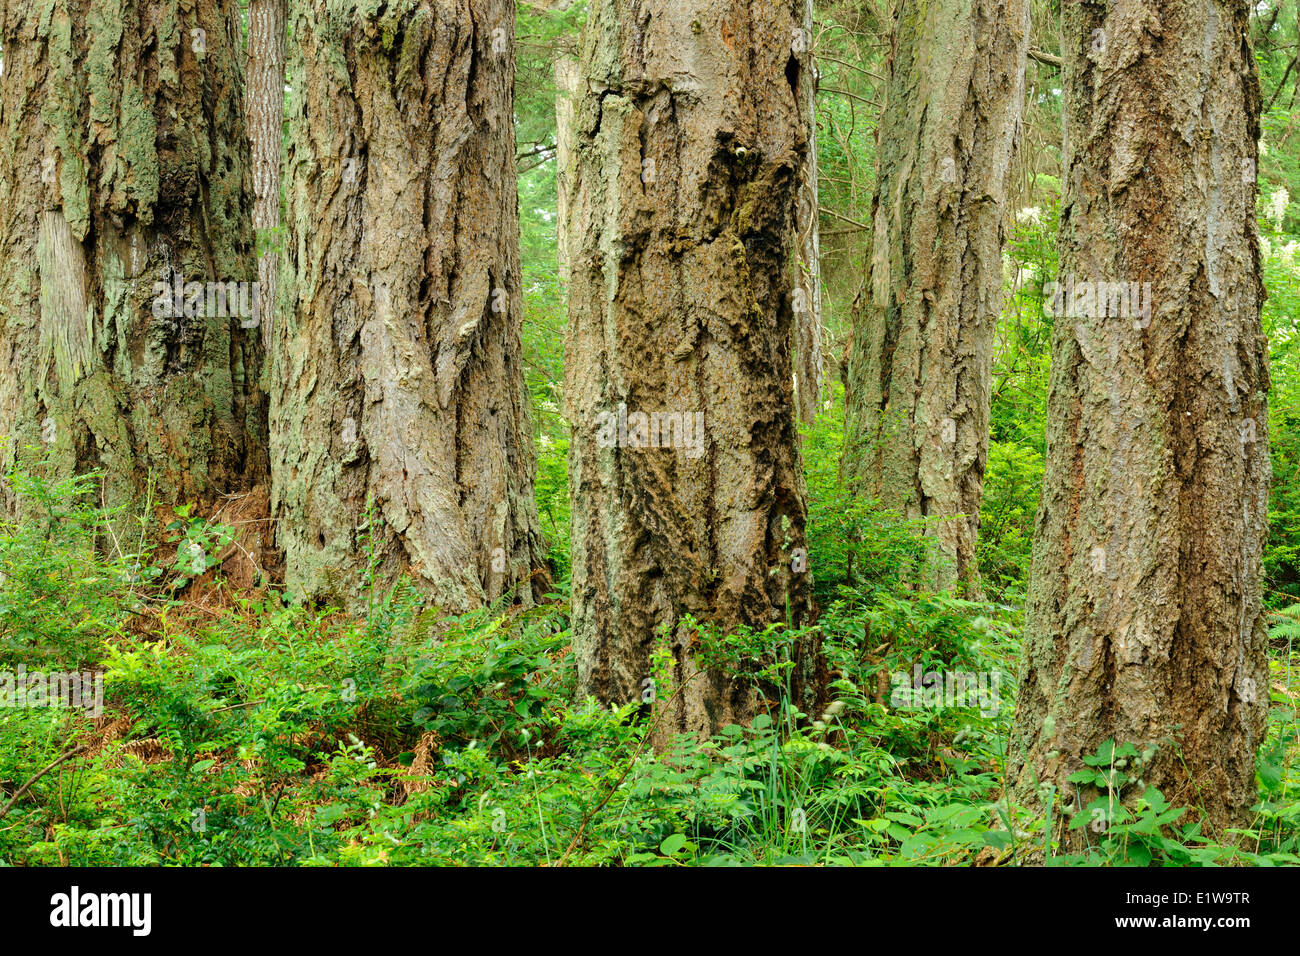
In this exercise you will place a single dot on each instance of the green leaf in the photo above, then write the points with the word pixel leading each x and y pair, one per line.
pixel 1105 753
pixel 904 818
pixel 1140 854
pixel 998 839
pixel 673 844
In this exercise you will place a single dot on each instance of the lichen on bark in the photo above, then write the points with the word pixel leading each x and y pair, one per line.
pixel 123 164
pixel 688 142
pixel 400 430
pixel 1144 617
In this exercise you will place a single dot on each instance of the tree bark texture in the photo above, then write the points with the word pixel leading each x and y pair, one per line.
pixel 267 20
pixel 123 188
pixel 808 287
pixel 400 431
pixel 567 79
pixel 922 347
pixel 1144 616
pixel 689 142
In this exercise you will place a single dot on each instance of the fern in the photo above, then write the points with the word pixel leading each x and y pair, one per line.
pixel 1286 624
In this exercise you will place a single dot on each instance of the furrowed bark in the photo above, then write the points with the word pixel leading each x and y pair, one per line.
pixel 808 286
pixel 267 20
pixel 123 179
pixel 400 433
pixel 689 141
pixel 567 79
pixel 922 348
pixel 1144 616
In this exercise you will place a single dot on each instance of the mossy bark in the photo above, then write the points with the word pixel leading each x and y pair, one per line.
pixel 1144 616
pixel 400 434
pixel 124 163
pixel 920 359
pixel 689 140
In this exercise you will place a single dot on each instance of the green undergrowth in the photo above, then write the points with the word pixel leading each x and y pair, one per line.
pixel 264 732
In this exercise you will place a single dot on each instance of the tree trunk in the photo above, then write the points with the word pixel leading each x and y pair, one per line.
pixel 567 81
pixel 1144 614
pixel 266 41
pixel 123 215
pixel 400 434
pixel 922 348
pixel 808 286
pixel 689 142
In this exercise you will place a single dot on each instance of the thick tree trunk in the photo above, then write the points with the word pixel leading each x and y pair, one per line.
pixel 123 179
pixel 922 348
pixel 1144 615
pixel 689 143
pixel 266 41
pixel 400 434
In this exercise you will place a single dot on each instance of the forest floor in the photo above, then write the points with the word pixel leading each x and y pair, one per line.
pixel 238 727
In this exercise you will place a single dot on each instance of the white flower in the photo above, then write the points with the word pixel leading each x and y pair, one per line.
pixel 1277 204
pixel 1032 214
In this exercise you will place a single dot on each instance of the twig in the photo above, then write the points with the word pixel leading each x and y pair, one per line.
pixel 67 755
pixel 842 218
pixel 851 66
pixel 1282 82
pixel 852 96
